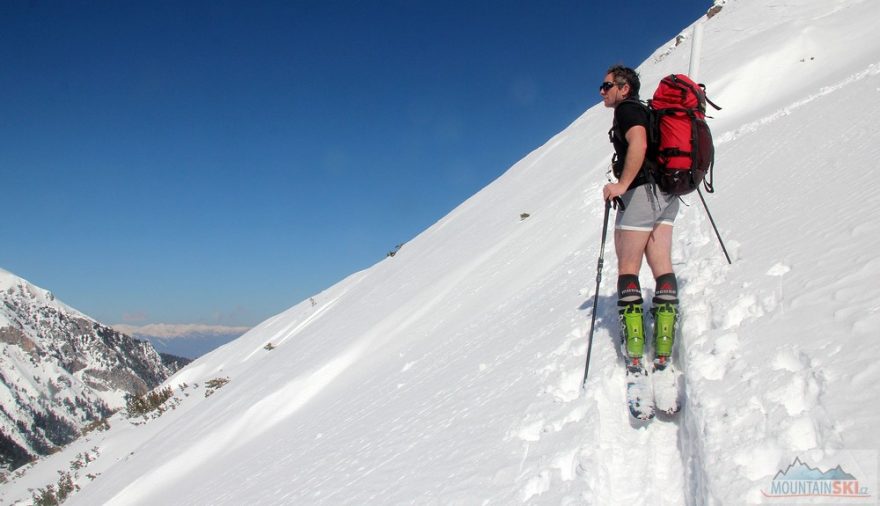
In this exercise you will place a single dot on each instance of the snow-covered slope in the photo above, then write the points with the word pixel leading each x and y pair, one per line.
pixel 60 369
pixel 450 373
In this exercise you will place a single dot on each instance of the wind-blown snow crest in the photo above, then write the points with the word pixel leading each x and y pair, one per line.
pixel 450 373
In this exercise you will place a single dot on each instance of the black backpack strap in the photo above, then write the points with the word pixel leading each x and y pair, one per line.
pixel 646 174
pixel 717 108
pixel 708 181
pixel 713 104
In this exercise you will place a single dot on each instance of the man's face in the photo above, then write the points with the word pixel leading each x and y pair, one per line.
pixel 612 95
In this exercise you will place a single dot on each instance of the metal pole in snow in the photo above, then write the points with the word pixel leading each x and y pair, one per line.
pixel 598 284
pixel 696 51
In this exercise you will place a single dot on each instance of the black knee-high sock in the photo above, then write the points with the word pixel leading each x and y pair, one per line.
pixel 628 290
pixel 667 289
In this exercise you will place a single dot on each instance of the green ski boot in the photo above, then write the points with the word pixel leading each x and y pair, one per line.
pixel 632 332
pixel 665 322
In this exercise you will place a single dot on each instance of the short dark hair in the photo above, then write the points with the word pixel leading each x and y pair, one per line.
pixel 625 75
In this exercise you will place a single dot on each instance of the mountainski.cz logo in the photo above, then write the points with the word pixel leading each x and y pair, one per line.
pixel 800 480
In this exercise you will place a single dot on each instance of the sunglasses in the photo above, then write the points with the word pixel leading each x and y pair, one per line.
pixel 607 85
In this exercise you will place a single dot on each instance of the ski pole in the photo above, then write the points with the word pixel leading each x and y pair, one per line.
pixel 596 296
pixel 714 227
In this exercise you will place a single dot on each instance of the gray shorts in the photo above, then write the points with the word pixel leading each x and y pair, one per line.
pixel 645 209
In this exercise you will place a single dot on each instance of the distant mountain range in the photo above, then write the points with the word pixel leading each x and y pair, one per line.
pixel 184 340
pixel 61 370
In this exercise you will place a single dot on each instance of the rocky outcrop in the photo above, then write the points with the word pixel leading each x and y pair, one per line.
pixel 61 370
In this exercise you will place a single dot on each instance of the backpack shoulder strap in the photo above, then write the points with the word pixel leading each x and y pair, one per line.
pixel 713 104
pixel 632 101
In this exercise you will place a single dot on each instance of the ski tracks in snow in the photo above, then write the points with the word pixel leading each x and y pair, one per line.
pixel 732 409
pixel 753 394
pixel 583 448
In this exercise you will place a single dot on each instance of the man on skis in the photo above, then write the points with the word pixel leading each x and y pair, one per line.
pixel 643 226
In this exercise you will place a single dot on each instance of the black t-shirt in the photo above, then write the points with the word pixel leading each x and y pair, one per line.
pixel 627 114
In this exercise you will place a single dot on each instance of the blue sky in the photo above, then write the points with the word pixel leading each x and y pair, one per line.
pixel 218 162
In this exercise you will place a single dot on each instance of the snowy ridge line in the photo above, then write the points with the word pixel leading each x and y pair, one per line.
pixel 9 281
pixel 267 335
pixel 872 70
pixel 286 333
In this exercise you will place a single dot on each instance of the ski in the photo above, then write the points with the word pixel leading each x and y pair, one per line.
pixel 639 396
pixel 665 379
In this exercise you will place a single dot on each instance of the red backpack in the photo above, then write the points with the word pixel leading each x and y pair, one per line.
pixel 679 137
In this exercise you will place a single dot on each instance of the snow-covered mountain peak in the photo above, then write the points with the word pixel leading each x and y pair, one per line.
pixel 15 286
pixel 60 371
